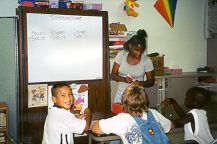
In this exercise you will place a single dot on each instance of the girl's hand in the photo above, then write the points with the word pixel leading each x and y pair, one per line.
pixel 129 79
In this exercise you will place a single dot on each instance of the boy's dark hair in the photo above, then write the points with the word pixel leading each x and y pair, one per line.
pixel 200 95
pixel 56 86
pixel 134 100
pixel 138 39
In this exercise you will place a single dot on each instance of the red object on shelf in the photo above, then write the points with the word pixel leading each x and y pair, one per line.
pixel 42 4
pixel 117 108
pixel 118 42
pixel 27 3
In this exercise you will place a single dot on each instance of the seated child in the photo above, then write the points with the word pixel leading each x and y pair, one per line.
pixel 134 103
pixel 195 121
pixel 61 124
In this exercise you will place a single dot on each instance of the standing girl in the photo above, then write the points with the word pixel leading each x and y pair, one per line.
pixel 131 65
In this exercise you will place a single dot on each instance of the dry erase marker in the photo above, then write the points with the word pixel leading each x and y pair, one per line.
pixel 131 77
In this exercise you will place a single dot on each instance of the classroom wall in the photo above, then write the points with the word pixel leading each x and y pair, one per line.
pixel 8 8
pixel 184 45
pixel 9 71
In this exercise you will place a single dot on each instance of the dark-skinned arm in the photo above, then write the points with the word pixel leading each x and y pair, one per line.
pixel 150 80
pixel 116 77
pixel 176 106
pixel 183 120
pixel 183 116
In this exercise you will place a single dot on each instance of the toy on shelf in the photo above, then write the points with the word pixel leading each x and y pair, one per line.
pixel 129 7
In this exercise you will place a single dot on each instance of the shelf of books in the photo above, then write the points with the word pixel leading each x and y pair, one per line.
pixel 3 122
pixel 116 43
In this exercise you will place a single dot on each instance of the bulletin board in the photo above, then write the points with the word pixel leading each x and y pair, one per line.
pixel 212 16
pixel 61 45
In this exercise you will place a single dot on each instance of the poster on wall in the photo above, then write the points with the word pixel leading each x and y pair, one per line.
pixel 212 18
pixel 80 93
pixel 37 95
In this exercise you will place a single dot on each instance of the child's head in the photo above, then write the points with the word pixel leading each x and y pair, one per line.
pixel 196 97
pixel 134 100
pixel 137 43
pixel 62 95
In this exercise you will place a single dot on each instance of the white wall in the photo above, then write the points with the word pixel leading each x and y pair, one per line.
pixel 9 71
pixel 184 45
pixel 8 8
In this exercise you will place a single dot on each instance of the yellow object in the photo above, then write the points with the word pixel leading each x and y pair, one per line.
pixel 129 7
pixel 167 7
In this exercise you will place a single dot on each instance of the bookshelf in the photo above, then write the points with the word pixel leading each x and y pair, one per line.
pixel 3 122
pixel 116 44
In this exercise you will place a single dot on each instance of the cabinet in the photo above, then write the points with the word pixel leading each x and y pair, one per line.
pixel 3 122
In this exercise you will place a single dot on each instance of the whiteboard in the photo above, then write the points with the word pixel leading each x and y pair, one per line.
pixel 64 47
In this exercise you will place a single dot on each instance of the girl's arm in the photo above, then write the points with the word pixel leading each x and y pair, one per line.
pixel 150 80
pixel 116 77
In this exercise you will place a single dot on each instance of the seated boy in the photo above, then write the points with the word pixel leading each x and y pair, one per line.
pixel 134 103
pixel 195 121
pixel 60 123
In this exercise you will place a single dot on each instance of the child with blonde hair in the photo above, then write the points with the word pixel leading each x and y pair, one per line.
pixel 126 125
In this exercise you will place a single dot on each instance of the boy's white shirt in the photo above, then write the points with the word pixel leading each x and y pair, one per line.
pixel 60 121
pixel 123 125
pixel 202 132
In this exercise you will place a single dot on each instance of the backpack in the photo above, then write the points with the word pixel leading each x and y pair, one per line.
pixel 151 130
